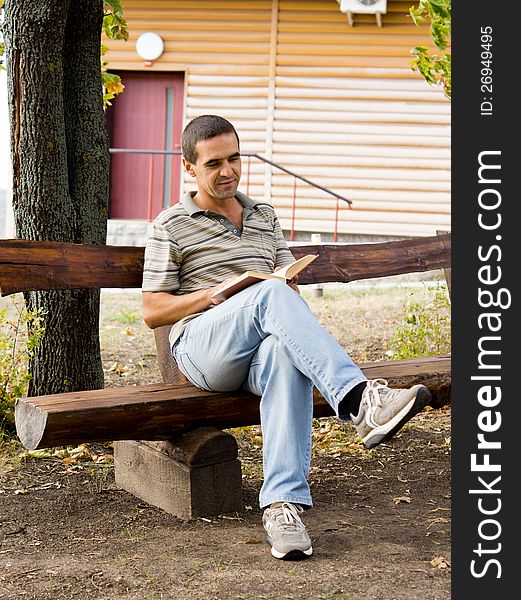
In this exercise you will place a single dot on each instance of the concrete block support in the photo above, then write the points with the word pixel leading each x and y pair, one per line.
pixel 195 475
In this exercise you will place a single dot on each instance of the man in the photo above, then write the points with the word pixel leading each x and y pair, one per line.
pixel 264 338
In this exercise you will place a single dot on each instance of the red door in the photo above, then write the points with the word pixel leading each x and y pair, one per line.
pixel 146 116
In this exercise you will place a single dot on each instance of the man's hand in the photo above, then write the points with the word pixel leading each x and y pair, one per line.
pixel 292 282
pixel 218 288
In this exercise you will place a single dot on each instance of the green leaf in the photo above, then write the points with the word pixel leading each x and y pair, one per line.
pixel 435 68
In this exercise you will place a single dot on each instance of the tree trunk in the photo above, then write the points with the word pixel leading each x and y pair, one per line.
pixel 60 164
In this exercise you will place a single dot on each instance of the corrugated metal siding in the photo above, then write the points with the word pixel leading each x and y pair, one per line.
pixel 336 104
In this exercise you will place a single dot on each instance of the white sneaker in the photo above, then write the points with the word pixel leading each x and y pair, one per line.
pixel 384 411
pixel 287 535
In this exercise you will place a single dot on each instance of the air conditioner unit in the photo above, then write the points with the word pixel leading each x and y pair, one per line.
pixel 372 7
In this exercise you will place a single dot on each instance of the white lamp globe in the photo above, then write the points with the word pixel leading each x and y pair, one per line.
pixel 149 46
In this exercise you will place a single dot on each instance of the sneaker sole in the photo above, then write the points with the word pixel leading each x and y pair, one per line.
pixel 292 554
pixel 384 432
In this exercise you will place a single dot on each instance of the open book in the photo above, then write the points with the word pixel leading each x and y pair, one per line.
pixel 249 277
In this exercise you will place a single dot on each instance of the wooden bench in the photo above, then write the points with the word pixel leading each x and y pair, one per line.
pixel 169 446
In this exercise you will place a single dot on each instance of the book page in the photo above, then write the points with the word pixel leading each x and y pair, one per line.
pixel 250 277
pixel 289 271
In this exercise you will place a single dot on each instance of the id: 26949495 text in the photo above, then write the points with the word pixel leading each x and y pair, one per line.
pixel 487 80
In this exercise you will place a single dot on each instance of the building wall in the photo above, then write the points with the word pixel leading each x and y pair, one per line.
pixel 337 104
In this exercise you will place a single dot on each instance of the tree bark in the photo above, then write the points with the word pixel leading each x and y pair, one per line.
pixel 60 164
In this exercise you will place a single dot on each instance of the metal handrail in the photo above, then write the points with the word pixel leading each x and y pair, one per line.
pixel 253 155
pixel 308 181
pixel 263 159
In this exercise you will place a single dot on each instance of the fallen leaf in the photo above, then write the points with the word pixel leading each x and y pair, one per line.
pixel 440 562
pixel 46 486
pixel 80 451
pixel 108 458
pixel 35 454
pixel 437 520
pixel 400 499
pixel 117 368
pixel 250 540
pixel 102 458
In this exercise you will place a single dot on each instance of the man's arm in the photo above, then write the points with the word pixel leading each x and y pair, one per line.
pixel 163 308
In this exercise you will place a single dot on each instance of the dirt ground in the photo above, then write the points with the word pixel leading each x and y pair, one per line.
pixel 380 525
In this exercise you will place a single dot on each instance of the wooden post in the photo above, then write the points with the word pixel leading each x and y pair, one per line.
pixel 196 474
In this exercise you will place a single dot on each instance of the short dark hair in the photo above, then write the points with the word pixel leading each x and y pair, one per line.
pixel 203 128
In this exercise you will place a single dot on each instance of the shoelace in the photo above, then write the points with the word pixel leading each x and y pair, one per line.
pixel 372 387
pixel 290 514
pixel 373 399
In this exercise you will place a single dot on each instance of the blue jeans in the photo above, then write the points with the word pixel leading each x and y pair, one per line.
pixel 266 340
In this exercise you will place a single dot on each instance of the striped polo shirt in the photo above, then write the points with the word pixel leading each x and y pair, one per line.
pixel 191 249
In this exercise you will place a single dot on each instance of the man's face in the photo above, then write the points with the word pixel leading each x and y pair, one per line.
pixel 218 167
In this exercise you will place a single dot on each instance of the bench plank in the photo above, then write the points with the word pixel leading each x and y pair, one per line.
pixel 158 411
pixel 30 265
